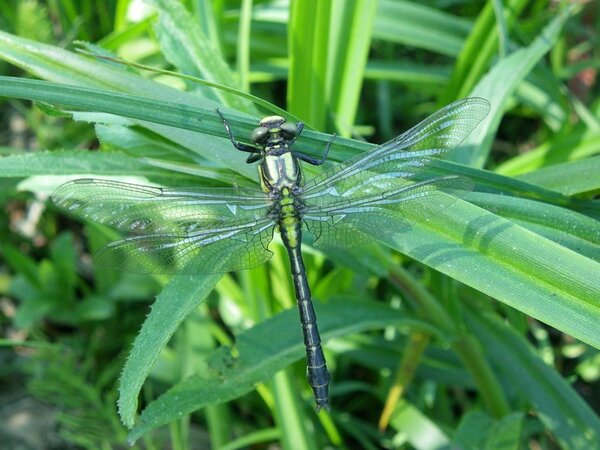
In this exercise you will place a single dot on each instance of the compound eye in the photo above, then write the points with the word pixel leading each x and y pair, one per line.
pixel 288 130
pixel 259 135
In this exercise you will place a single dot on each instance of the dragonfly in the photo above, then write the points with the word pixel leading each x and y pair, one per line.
pixel 195 230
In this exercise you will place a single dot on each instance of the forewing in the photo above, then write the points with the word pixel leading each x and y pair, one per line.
pixel 407 155
pixel 237 246
pixel 138 209
pixel 379 193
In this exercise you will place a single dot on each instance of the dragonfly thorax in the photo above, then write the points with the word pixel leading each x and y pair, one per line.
pixel 279 171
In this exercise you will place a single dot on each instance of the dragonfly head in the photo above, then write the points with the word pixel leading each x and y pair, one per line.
pixel 273 128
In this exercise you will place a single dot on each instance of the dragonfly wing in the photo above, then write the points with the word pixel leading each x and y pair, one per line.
pixel 380 205
pixel 408 154
pixel 138 209
pixel 237 246
pixel 381 192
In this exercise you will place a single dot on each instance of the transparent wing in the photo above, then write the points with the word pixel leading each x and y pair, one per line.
pixel 408 154
pixel 141 209
pixel 381 192
pixel 350 222
pixel 237 246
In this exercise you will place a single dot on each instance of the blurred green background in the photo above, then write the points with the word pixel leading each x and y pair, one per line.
pixel 478 329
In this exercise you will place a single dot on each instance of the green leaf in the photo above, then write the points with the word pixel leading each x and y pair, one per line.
pixel 195 82
pixel 577 144
pixel 72 162
pixel 570 178
pixel 74 70
pixel 94 308
pixel 33 309
pixel 33 21
pixel 478 431
pixel 500 83
pixel 141 143
pixel 541 92
pixel 352 24
pixel 571 229
pixel 175 302
pixel 511 264
pixel 61 66
pixel 506 433
pixel 186 46
pixel 421 26
pixel 262 437
pixel 180 117
pixel 478 50
pixel 65 261
pixel 308 36
pixel 21 263
pixel 558 406
pixel 407 72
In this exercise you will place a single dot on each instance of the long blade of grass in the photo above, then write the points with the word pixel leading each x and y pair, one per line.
pixel 352 24
pixel 212 145
pixel 181 296
pixel 571 229
pixel 558 406
pixel 179 116
pixel 421 26
pixel 309 30
pixel 187 47
pixel 570 178
pixel 499 83
pixel 68 162
pixel 511 264
pixel 578 144
pixel 478 50
pixel 257 100
pixel 243 44
pixel 62 66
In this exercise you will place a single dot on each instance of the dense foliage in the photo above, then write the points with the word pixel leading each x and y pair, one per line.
pixel 477 328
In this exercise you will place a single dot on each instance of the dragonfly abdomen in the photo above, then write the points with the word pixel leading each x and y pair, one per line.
pixel 316 367
pixel 290 227
pixel 287 213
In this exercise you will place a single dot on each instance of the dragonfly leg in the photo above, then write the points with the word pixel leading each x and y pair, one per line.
pixel 253 158
pixel 239 145
pixel 315 161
